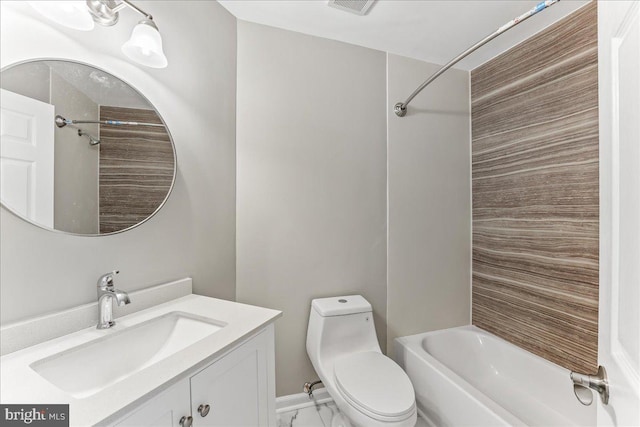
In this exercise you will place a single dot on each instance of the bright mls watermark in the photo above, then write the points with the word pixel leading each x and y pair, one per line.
pixel 34 415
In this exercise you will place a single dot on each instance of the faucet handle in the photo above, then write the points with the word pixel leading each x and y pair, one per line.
pixel 107 279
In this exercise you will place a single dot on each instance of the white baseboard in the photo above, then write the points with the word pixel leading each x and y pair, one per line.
pixel 294 402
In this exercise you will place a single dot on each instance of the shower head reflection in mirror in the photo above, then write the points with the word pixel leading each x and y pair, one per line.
pixel 92 139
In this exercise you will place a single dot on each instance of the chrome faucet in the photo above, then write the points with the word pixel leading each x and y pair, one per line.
pixel 107 293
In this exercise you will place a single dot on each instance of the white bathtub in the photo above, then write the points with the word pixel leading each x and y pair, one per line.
pixel 468 377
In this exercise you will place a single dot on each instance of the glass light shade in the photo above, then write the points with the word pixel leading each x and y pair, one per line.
pixel 145 46
pixel 71 14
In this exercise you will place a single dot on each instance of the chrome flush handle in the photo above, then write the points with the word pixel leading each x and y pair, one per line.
pixel 582 383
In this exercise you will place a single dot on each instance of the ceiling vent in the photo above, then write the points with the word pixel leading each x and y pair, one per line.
pixel 359 7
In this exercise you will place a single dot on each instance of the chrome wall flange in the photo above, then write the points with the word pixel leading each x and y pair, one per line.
pixel 400 109
pixel 104 12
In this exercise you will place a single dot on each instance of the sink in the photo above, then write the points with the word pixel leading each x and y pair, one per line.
pixel 89 368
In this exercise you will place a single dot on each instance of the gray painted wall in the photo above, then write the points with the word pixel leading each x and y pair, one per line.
pixel 33 81
pixel 429 155
pixel 76 162
pixel 311 173
pixel 194 234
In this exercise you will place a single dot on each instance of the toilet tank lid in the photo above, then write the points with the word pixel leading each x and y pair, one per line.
pixel 339 306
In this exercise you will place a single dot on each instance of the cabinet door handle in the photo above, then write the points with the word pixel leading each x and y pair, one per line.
pixel 186 421
pixel 203 410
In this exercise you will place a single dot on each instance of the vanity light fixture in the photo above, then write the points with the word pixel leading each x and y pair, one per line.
pixel 145 44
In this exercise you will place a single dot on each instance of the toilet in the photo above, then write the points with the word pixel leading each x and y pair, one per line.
pixel 369 388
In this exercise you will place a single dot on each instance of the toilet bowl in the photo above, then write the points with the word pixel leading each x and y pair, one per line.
pixel 370 389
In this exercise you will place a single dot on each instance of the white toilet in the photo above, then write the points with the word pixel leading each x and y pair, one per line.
pixel 367 386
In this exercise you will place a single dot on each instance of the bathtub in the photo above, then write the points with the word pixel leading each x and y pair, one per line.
pixel 468 377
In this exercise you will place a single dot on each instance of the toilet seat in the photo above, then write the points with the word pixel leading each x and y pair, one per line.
pixel 375 385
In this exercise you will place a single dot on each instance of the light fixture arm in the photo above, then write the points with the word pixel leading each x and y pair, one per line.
pixel 136 8
pixel 105 12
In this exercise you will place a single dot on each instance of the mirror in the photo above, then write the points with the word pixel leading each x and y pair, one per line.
pixel 81 151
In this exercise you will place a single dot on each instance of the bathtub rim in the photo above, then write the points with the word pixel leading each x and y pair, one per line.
pixel 413 344
pixel 491 336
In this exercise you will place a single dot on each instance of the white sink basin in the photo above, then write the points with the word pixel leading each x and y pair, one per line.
pixel 91 367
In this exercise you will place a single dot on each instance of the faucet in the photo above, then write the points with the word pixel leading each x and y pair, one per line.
pixel 107 293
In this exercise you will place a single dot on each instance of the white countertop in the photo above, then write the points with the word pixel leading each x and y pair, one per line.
pixel 21 384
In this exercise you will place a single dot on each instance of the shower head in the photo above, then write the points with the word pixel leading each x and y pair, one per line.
pixel 92 139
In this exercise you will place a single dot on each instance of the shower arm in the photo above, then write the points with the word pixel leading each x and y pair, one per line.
pixel 401 107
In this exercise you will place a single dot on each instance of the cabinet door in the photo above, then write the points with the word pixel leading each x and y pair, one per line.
pixel 163 410
pixel 236 387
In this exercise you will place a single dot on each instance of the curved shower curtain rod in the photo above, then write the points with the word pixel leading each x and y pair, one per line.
pixel 401 107
pixel 62 122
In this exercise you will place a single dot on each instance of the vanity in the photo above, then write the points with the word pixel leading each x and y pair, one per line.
pixel 88 156
pixel 190 361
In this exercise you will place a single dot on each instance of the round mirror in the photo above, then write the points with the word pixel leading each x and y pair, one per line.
pixel 81 151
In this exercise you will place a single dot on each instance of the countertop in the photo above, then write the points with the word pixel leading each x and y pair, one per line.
pixel 21 384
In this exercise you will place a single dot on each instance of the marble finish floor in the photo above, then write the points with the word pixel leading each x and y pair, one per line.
pixel 319 415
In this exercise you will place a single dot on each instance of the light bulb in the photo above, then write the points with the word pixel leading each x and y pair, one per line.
pixel 71 13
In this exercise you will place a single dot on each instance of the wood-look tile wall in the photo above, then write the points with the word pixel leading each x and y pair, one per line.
pixel 136 168
pixel 535 193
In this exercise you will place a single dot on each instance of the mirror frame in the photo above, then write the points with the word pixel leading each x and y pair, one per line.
pixel 173 148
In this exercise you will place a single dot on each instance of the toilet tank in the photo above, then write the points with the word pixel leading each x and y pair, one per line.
pixel 340 325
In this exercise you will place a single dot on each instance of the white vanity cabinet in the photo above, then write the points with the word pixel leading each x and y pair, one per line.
pixel 235 390
pixel 164 410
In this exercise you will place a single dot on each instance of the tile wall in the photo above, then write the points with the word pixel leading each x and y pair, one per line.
pixel 129 195
pixel 535 193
